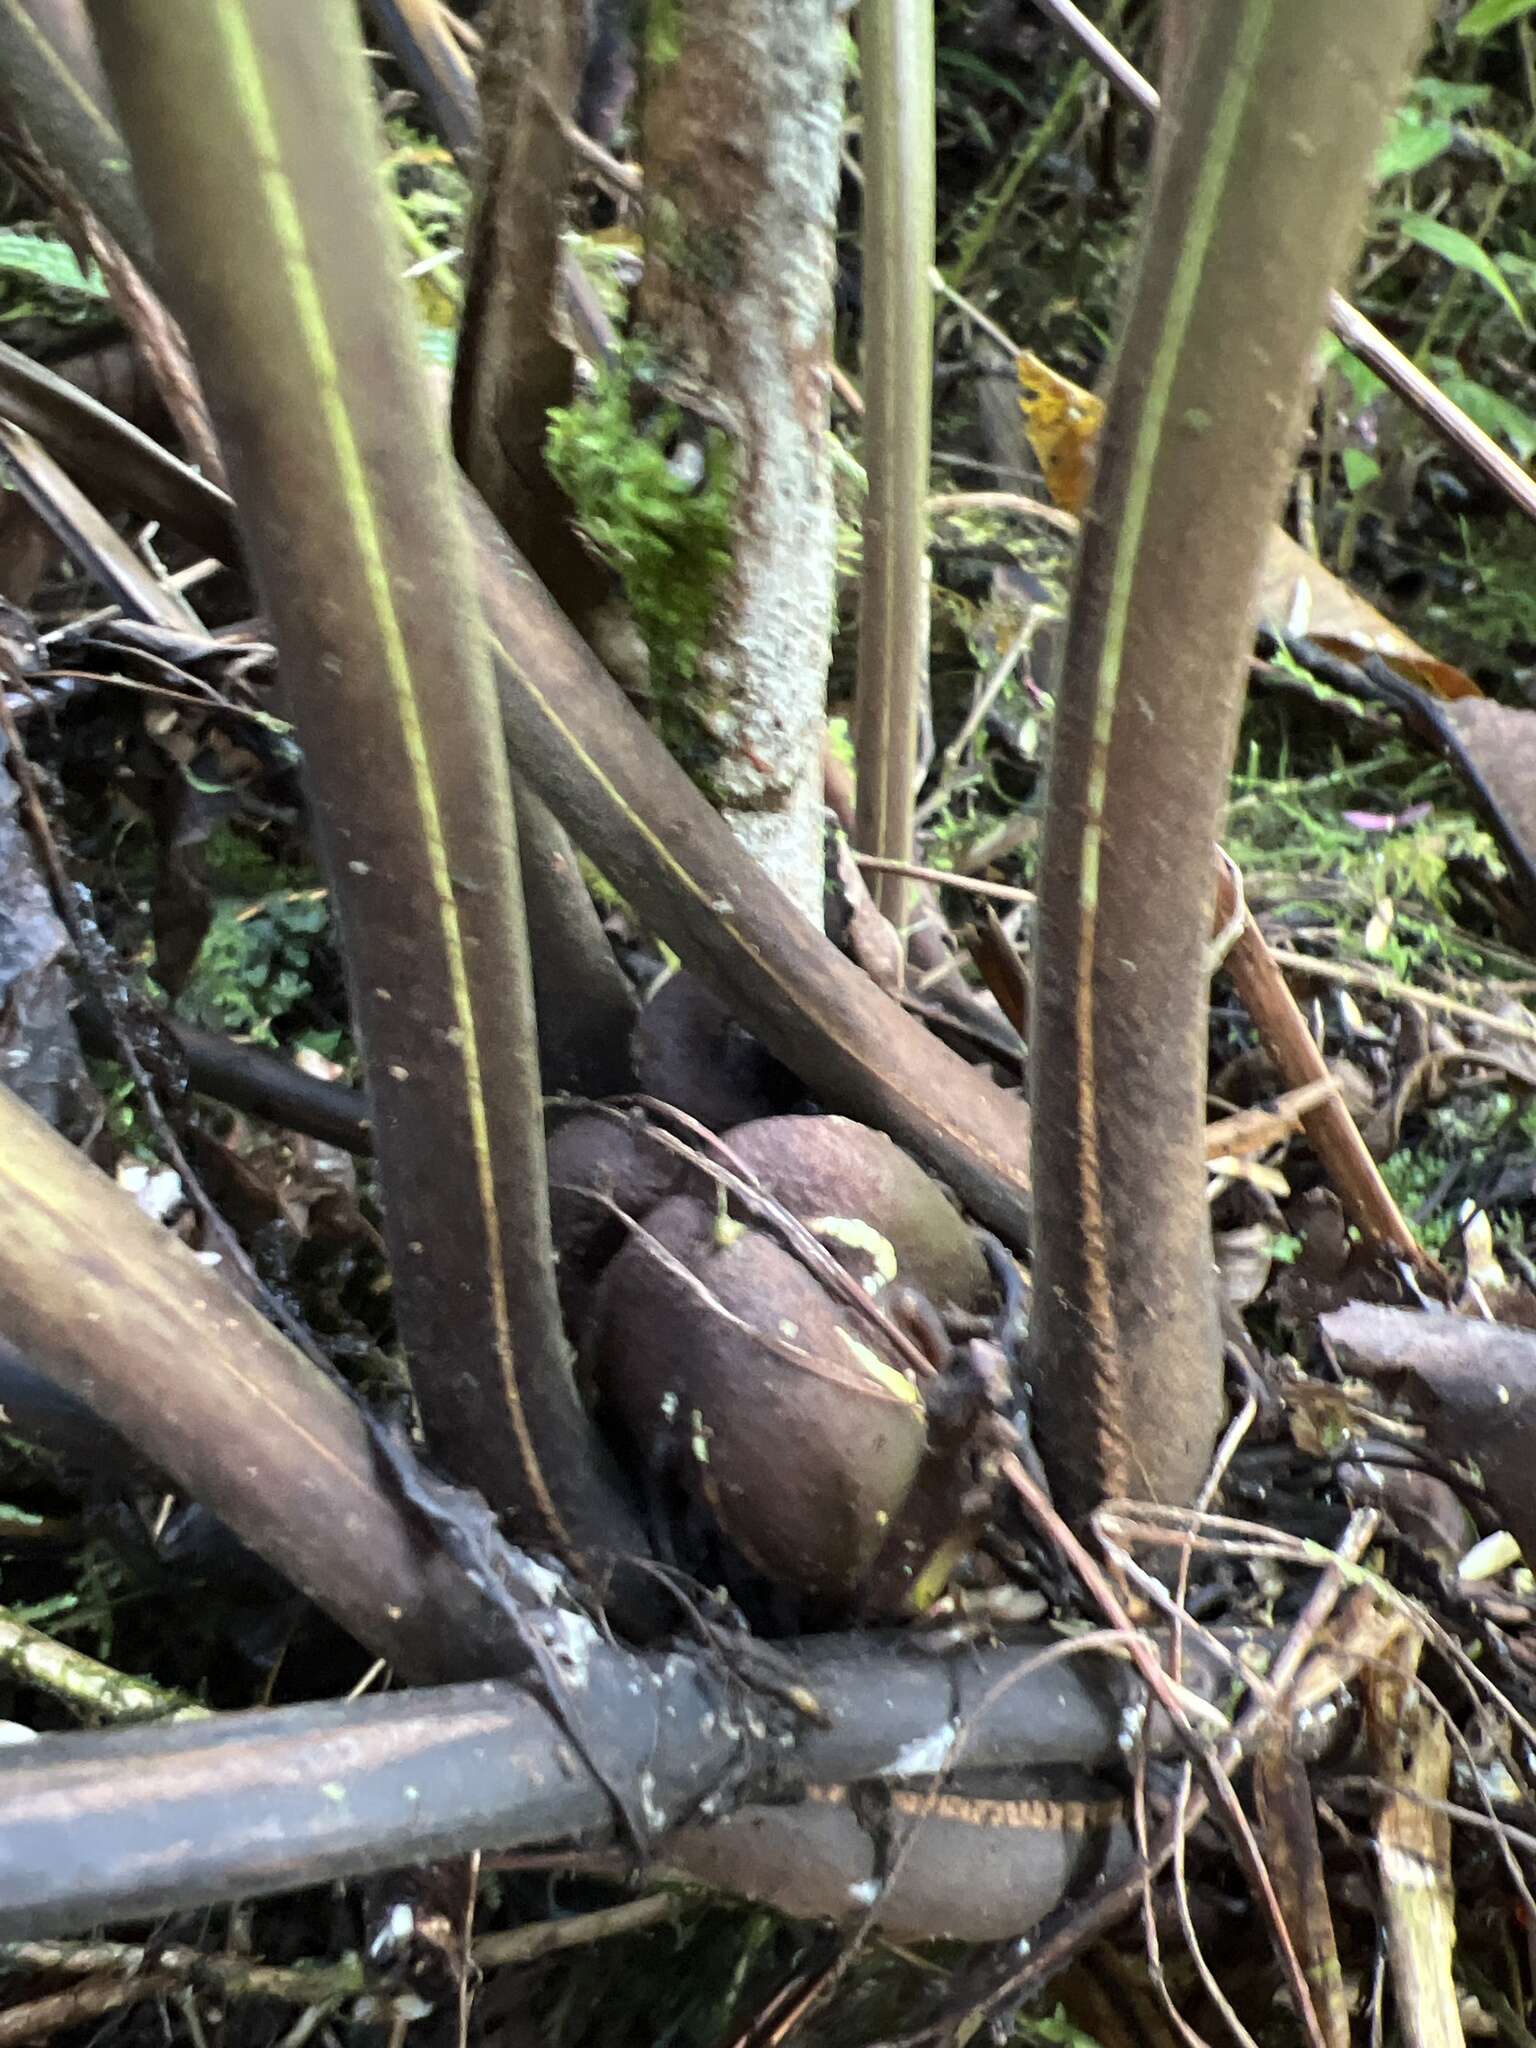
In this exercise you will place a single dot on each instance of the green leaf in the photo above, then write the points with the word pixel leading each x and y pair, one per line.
pixel 1360 469
pixel 1445 96
pixel 1413 143
pixel 1488 15
pixel 963 64
pixel 1461 250
pixel 48 262
pixel 1490 410
pixel 1514 164
pixel 1364 384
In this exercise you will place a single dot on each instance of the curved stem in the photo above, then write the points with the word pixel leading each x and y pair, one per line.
pixel 1280 106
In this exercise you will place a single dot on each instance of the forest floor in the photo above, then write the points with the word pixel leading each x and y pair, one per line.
pixel 1396 858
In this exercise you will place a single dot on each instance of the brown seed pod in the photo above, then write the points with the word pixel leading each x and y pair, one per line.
pixel 690 1051
pixel 828 1166
pixel 778 1407
pixel 600 1165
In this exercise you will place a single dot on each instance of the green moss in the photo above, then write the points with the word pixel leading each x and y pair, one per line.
pixel 1449 1144
pixel 840 740
pixel 617 454
pixel 663 33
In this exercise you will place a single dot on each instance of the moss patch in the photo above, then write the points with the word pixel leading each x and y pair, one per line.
pixel 654 492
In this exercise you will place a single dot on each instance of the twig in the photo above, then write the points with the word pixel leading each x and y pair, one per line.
pixel 90 1687
pixel 129 1974
pixel 1253 1130
pixel 551 1937
pixel 161 343
pixel 1413 1851
pixel 943 502
pixel 970 884
pixel 1359 335
pixel 1218 1784
pixel 981 703
pixel 43 2017
pixel 1192 1942
pixel 711 1154
pixel 847 390
pixel 1350 974
pixel 1330 1128
pixel 1072 1930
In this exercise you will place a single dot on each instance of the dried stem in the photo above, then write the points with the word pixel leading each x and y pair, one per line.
pixel 896 72
pixel 1331 1130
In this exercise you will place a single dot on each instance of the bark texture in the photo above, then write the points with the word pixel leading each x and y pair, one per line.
pixel 742 112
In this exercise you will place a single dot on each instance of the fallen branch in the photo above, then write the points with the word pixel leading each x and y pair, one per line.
pixel 143 1820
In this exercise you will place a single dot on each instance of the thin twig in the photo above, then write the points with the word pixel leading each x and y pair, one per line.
pixel 125 1973
pixel 1331 1130
pixel 89 1686
pixel 161 343
pixel 971 885
pixel 1217 1783
pixel 711 1154
pixel 1364 340
pixel 944 502
pixel 1351 974
pixel 1074 1929
pixel 1080 1926
pixel 41 2018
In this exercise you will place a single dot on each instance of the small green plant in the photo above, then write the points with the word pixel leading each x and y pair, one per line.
pixel 1452 1137
pixel 654 489
pixel 41 277
pixel 120 1109
pixel 255 965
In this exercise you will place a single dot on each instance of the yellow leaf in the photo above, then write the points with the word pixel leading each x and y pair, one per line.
pixel 1062 421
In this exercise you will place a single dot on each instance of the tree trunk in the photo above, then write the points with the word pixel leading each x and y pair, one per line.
pixel 742 111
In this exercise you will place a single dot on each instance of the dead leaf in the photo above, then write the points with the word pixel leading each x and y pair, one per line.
pixel 1243 1259
pixel 997 961
pixel 1062 421
pixel 1298 595
pixel 1497 748
pixel 867 935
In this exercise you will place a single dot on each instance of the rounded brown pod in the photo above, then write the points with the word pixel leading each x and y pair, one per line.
pixel 777 1407
pixel 602 1168
pixel 829 1166
pixel 690 1051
